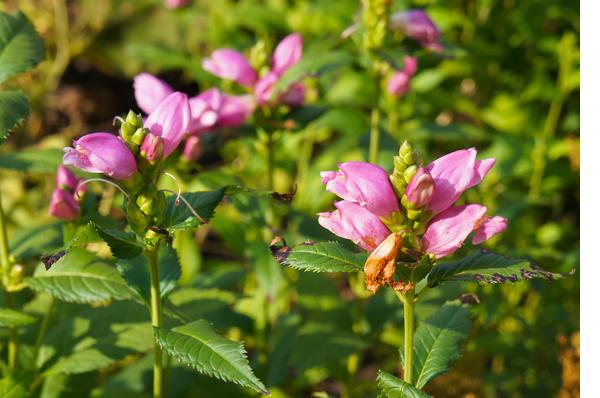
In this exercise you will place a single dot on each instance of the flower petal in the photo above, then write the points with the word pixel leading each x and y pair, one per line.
pixel 170 121
pixel 287 53
pixel 150 91
pixel 231 65
pixel 489 227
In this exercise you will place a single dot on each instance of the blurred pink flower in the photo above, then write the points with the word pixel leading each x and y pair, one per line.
pixel 417 25
pixel 63 205
pixel 150 91
pixel 176 3
pixel 354 222
pixel 230 65
pixel 101 153
pixel 287 53
pixel 192 149
pixel 399 83
pixel 235 110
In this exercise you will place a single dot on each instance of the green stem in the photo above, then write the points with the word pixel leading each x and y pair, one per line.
pixel 374 138
pixel 5 266
pixel 156 315
pixel 270 159
pixel 43 329
pixel 409 330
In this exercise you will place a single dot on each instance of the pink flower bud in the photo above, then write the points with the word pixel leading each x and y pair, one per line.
pixel 101 153
pixel 420 189
pixel 287 53
pixel 231 65
pixel 150 91
pixel 354 222
pixel 170 121
pixel 453 174
pixel 399 83
pixel 205 109
pixel 65 179
pixel 365 184
pixel 294 96
pixel 176 3
pixel 264 88
pixel 63 205
pixel 235 110
pixel 192 149
pixel 152 148
pixel 417 25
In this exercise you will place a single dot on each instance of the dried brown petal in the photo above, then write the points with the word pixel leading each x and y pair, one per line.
pixel 381 264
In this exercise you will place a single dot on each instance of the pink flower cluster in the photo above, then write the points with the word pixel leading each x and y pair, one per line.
pixel 231 65
pixel 64 203
pixel 368 197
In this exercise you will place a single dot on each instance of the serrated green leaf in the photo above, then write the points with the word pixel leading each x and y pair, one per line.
pixel 437 341
pixel 21 48
pixel 80 277
pixel 11 318
pixel 83 235
pixel 196 344
pixel 14 109
pixel 179 217
pixel 393 387
pixel 486 267
pixel 122 244
pixel 136 272
pixel 324 257
pixel 33 160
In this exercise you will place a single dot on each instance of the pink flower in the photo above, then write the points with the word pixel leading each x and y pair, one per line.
pixel 264 88
pixel 176 3
pixel 448 230
pixel 150 91
pixel 287 53
pixel 192 149
pixel 235 110
pixel 453 174
pixel 365 184
pixel 65 179
pixel 63 205
pixel 170 121
pixel 354 222
pixel 230 65
pixel 417 25
pixel 205 109
pixel 152 148
pixel 419 191
pixel 294 96
pixel 101 153
pixel 399 83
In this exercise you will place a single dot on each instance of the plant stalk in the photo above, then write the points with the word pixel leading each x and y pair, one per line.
pixel 156 315
pixel 374 137
pixel 5 266
pixel 409 330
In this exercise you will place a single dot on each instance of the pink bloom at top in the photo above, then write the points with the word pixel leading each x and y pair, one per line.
pixel 230 65
pixel 354 222
pixel 417 25
pixel 176 3
pixel 287 53
pixel 399 83
pixel 170 121
pixel 101 153
pixel 453 174
pixel 150 91
pixel 365 184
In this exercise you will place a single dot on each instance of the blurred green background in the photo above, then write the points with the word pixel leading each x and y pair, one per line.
pixel 508 85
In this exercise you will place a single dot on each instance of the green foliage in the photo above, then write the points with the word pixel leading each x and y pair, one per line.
pixel 11 318
pixel 122 244
pixel 80 277
pixel 486 267
pixel 437 340
pixel 15 386
pixel 179 217
pixel 197 345
pixel 34 160
pixel 393 387
pixel 20 46
pixel 14 109
pixel 324 257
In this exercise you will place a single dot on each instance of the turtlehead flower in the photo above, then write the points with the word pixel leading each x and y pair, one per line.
pixel 64 203
pixel 399 83
pixel 365 184
pixel 205 109
pixel 101 153
pixel 150 91
pixel 170 121
pixel 230 65
pixel 380 267
pixel 417 25
pixel 235 110
pixel 354 222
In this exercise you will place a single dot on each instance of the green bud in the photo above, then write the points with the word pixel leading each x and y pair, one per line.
pixel 419 227
pixel 406 204
pixel 258 55
pixel 409 173
pixel 413 214
pixel 136 219
pixel 405 148
pixel 146 202
pixel 131 118
pixel 139 135
pixel 398 184
pixel 127 131
pixel 16 273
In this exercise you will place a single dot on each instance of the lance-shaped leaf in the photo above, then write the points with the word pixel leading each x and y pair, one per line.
pixel 122 244
pixel 14 109
pixel 80 277
pixel 196 344
pixel 319 257
pixel 437 341
pixel 179 217
pixel 12 318
pixel 483 266
pixel 21 48
pixel 33 160
pixel 393 387
pixel 136 273
pixel 31 242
